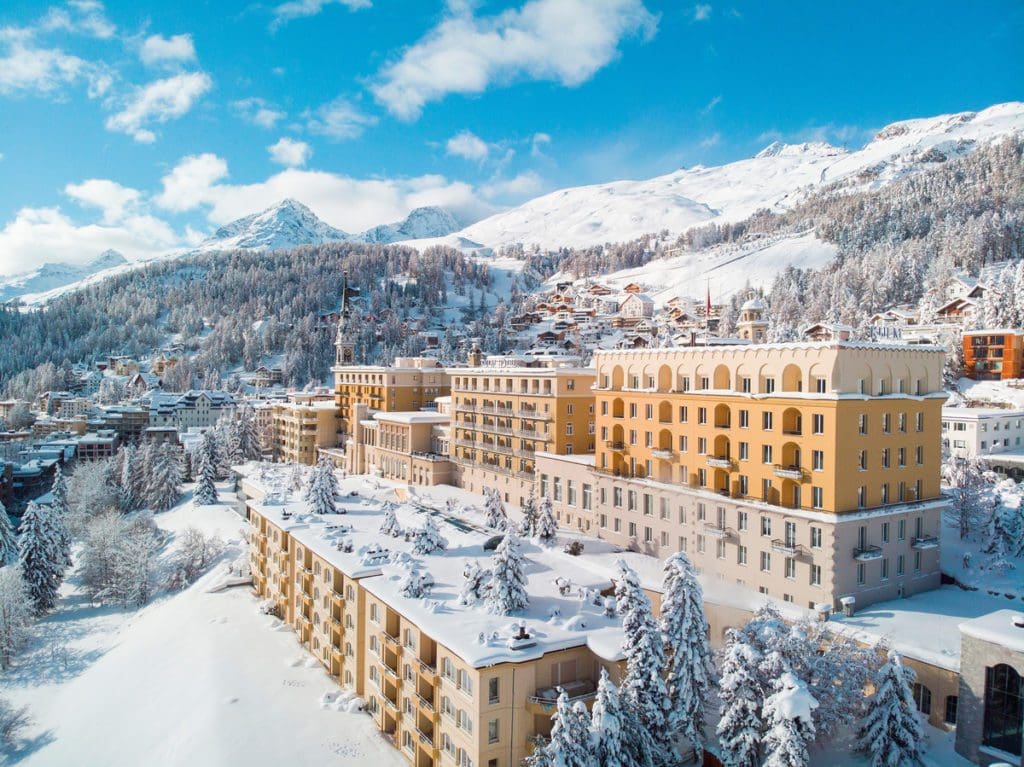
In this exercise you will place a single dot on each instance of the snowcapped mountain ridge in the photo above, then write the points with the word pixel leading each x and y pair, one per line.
pixel 290 223
pixel 55 275
pixel 775 178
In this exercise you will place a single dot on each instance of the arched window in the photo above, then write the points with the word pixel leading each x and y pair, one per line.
pixel 923 698
pixel 1004 713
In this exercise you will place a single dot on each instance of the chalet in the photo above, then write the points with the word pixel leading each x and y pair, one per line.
pixel 637 305
pixel 959 310
pixel 633 288
pixel 828 331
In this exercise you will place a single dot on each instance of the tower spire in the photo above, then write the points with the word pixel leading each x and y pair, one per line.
pixel 344 347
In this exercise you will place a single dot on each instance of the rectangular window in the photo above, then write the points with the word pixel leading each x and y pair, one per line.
pixel 744 485
pixel 741 520
pixel 766 527
pixel 766 454
pixel 917 561
pixel 631 500
pixel 744 419
pixel 700 544
pixel 815 537
pixel 885 568
pixel 860 575
pixel 617 497
pixel 818 460
pixel 862 423
pixel 818 423
pixel 570 492
pixel 492 689
pixel 819 385
pixel 766 562
pixel 899 565
pixel 790 567
pixel 769 385
pixel 702 415
pixel 901 530
pixel 702 446
pixel 720 549
pixel 744 451
pixel 741 555
pixel 885 532
pixel 587 496
pixel 815 575
pixel 817 498
pixel 766 421
pixel 684 414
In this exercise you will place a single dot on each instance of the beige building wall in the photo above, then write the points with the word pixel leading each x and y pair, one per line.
pixel 300 429
pixel 410 384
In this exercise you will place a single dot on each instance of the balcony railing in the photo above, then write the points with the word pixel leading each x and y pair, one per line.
pixel 616 447
pixel 867 552
pixel 925 542
pixel 427 704
pixel 427 668
pixel 788 472
pixel 710 528
pixel 719 462
pixel 663 453
pixel 785 547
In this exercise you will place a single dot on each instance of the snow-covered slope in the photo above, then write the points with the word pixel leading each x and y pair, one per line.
pixel 775 178
pixel 50 276
pixel 285 225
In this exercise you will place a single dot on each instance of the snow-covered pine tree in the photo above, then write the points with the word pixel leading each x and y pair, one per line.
pixel 529 526
pixel 296 480
pixel 606 725
pixel 323 487
pixel 60 508
pixel 547 525
pixel 689 668
pixel 429 538
pixel 42 564
pixel 891 733
pixel 141 470
pixel 16 616
pixel 164 486
pixel 789 715
pixel 494 510
pixel 569 744
pixel 245 444
pixel 412 584
pixel 643 690
pixel 739 727
pixel 205 472
pixel 474 587
pixel 134 566
pixel 506 592
pixel 966 477
pixel 126 481
pixel 390 524
pixel 8 539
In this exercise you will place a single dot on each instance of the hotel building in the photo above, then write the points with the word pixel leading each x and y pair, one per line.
pixel 507 409
pixel 807 471
pixel 302 427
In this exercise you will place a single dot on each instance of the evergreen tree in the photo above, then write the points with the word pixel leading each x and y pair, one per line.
pixel 390 524
pixel 429 538
pixel 891 733
pixel 739 728
pixel 412 584
pixel 204 470
pixel 791 725
pixel 643 690
pixel 245 443
pixel 61 511
pixel 42 563
pixel 141 471
pixel 494 510
pixel 474 587
pixel 16 613
pixel 322 488
pixel 8 539
pixel 569 745
pixel 163 488
pixel 606 725
pixel 689 666
pixel 529 527
pixel 127 495
pixel 547 525
pixel 506 592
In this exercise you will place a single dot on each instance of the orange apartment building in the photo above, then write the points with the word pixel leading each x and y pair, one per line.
pixel 993 355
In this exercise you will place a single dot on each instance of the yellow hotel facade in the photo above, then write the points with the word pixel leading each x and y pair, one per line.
pixel 507 410
pixel 809 472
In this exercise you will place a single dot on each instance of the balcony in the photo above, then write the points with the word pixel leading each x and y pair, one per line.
pixel 790 548
pixel 546 698
pixel 867 552
pixel 428 669
pixel 428 705
pixel 925 542
pixel 616 447
pixel 710 528
pixel 719 462
pixel 789 472
pixel 391 672
pixel 425 738
pixel 662 453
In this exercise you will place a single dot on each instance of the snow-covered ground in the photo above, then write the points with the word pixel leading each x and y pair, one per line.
pixel 996 392
pixel 194 678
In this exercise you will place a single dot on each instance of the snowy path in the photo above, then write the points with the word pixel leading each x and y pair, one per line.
pixel 193 679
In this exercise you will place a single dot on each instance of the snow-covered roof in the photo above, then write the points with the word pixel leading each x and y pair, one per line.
pixel 996 331
pixel 1002 627
pixel 790 345
pixel 755 304
pixel 413 416
pixel 980 412
pixel 553 621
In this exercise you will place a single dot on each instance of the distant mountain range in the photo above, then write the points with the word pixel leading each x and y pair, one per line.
pixel 290 223
pixel 50 276
pixel 774 178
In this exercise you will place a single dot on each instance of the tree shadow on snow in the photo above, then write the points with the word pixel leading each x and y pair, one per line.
pixel 27 747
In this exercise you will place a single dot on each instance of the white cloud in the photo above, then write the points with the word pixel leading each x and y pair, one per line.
pixel 39 235
pixel 116 201
pixel 157 49
pixel 563 40
pixel 348 203
pixel 701 12
pixel 297 9
pixel 710 141
pixel 468 145
pixel 29 69
pixel 158 102
pixel 290 152
pixel 189 180
pixel 515 189
pixel 258 112
pixel 85 17
pixel 339 119
pixel 537 144
pixel 709 107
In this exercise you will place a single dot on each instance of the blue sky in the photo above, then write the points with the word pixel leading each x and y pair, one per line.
pixel 142 125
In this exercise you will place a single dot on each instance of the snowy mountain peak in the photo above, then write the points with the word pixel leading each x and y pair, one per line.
pixel 429 221
pixel 285 225
pixel 807 148
pixel 50 275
